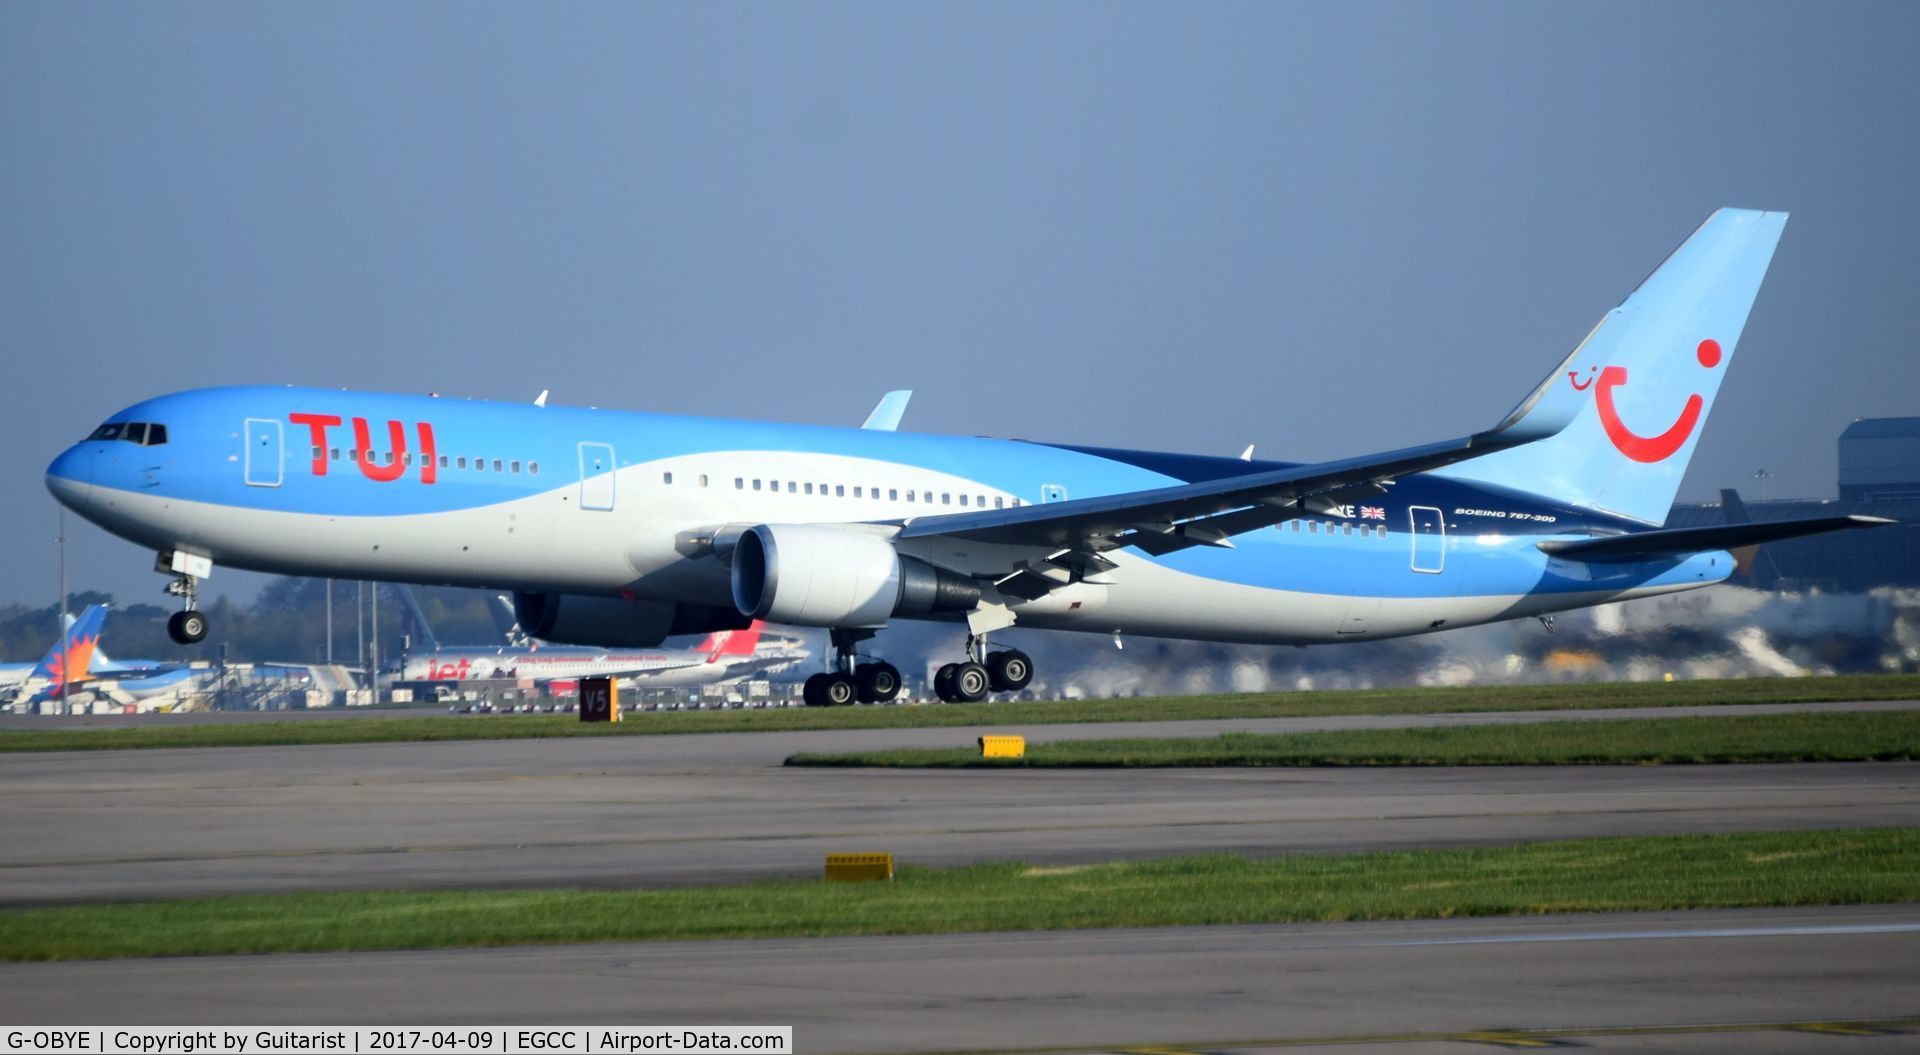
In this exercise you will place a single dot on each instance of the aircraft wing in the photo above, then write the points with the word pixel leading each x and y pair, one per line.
pixel 1166 519
pixel 1676 542
pixel 1171 518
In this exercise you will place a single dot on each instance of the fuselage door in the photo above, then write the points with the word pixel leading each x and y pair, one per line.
pixel 264 465
pixel 1429 539
pixel 596 476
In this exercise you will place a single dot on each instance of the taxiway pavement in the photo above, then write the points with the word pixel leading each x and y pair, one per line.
pixel 652 811
pixel 1833 979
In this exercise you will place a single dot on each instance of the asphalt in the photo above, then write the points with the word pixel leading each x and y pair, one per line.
pixel 1737 981
pixel 649 811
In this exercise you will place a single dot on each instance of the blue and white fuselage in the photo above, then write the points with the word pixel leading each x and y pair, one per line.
pixel 573 501
pixel 617 528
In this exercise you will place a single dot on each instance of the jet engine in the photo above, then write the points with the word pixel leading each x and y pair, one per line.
pixel 820 575
pixel 615 622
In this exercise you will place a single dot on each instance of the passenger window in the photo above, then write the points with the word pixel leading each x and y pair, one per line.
pixel 893 494
pixel 514 467
pixel 1346 529
pixel 407 458
pixel 927 496
pixel 809 488
pixel 756 483
pixel 319 454
pixel 336 455
pixel 533 468
pixel 979 500
pixel 1313 527
pixel 840 491
pixel 963 499
pixel 665 478
pixel 909 496
pixel 443 461
pixel 703 479
pixel 739 483
pixel 460 462
pixel 856 490
pixel 998 502
pixel 496 465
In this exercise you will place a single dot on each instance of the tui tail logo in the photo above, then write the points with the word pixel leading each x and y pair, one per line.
pixel 1645 449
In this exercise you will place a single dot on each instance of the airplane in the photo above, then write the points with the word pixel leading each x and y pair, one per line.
pixel 619 529
pixel 73 650
pixel 723 656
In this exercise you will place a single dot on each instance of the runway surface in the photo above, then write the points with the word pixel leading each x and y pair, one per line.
pixel 1824 979
pixel 647 811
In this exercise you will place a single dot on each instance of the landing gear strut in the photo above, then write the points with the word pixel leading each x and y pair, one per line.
pixel 1008 670
pixel 187 626
pixel 849 680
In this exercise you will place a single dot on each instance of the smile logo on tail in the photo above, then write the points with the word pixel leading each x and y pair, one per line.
pixel 1651 448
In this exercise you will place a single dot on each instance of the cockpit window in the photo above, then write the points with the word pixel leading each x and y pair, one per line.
pixel 140 432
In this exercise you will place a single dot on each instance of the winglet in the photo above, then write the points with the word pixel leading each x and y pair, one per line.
pixel 887 413
pixel 541 399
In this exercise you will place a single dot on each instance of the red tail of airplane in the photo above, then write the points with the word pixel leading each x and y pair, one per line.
pixel 732 642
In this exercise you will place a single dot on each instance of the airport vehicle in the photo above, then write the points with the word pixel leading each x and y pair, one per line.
pixel 68 662
pixel 619 529
pixel 723 656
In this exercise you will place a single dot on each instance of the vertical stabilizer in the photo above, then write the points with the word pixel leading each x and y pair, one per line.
pixel 67 662
pixel 1635 394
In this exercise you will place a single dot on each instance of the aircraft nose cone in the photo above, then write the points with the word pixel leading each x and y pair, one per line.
pixel 70 478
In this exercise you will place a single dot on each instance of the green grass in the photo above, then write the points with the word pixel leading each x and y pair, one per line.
pixel 1853 736
pixel 1246 705
pixel 1591 875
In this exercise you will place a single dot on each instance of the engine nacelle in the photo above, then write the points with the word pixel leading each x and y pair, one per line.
pixel 615 622
pixel 820 575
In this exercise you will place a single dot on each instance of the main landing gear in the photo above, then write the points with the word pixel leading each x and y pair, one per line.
pixel 851 681
pixel 189 625
pixel 1008 670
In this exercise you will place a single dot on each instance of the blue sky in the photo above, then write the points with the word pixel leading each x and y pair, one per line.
pixel 1321 228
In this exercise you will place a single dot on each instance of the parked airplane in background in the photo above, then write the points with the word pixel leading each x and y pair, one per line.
pixel 725 655
pixel 619 529
pixel 73 653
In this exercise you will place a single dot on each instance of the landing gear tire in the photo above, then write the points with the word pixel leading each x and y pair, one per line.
pixel 187 628
pixel 943 683
pixel 838 691
pixel 877 682
pixel 1010 670
pixel 971 682
pixel 810 691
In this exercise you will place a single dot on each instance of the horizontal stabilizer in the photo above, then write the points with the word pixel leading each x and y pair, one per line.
pixel 1677 542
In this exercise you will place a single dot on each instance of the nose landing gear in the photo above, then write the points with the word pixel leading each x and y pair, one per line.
pixel 189 625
